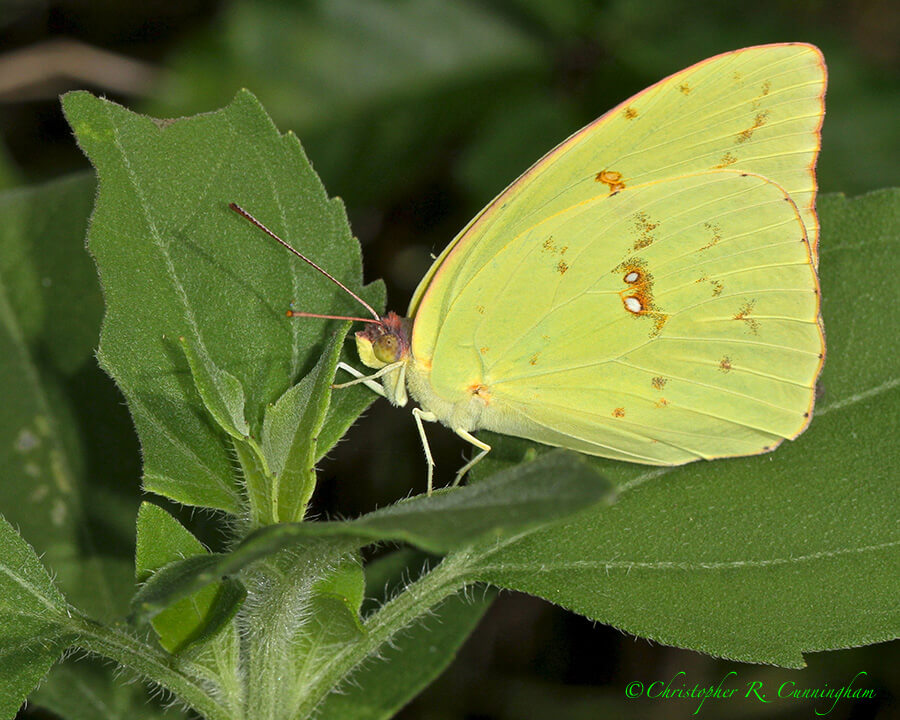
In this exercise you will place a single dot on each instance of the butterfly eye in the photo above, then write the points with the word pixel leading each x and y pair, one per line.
pixel 387 348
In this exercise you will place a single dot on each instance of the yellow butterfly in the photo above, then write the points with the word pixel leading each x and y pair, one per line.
pixel 646 291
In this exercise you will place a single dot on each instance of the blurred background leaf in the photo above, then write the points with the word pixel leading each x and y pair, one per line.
pixel 417 113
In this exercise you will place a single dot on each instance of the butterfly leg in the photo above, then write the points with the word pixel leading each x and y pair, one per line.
pixel 483 446
pixel 367 380
pixel 426 416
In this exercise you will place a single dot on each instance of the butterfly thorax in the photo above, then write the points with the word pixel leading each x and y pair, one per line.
pixel 387 345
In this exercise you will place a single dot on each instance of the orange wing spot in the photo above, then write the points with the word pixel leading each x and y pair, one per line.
pixel 479 390
pixel 661 403
pixel 659 382
pixel 745 135
pixel 685 89
pixel 619 412
pixel 483 349
pixel 630 113
pixel 725 364
pixel 717 287
pixel 479 309
pixel 644 227
pixel 766 86
pixel 533 359
pixel 745 314
pixel 726 160
pixel 638 297
pixel 611 178
pixel 561 267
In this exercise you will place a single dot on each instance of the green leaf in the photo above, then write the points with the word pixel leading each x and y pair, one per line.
pixel 332 619
pixel 400 669
pixel 290 433
pixel 48 333
pixel 88 689
pixel 31 614
pixel 504 506
pixel 220 391
pixel 764 558
pixel 51 282
pixel 175 262
pixel 36 475
pixel 194 619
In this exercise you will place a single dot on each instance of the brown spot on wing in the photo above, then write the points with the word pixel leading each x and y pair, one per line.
pixel 479 309
pixel 715 234
pixel 611 178
pixel 725 364
pixel 630 113
pixel 745 314
pixel 659 320
pixel 644 227
pixel 659 382
pixel 533 359
pixel 561 267
pixel 726 160
pixel 619 412
pixel 758 122
pixel 685 89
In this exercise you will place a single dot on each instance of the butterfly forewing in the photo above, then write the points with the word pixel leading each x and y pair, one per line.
pixel 758 110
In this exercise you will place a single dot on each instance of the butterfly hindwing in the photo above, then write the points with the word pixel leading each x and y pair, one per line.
pixel 676 321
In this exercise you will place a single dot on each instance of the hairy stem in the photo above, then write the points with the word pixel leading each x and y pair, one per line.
pixel 405 609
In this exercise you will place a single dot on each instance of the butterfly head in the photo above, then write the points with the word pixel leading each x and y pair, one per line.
pixel 384 343
pixel 387 343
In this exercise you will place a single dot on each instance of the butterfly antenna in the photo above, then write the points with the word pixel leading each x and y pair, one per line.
pixel 293 313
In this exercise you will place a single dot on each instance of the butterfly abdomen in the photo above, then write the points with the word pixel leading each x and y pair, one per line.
pixel 463 410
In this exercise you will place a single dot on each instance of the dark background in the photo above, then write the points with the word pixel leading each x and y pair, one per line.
pixel 417 114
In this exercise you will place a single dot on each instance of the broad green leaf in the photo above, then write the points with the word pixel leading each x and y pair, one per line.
pixel 399 670
pixel 175 262
pixel 50 279
pixel 42 258
pixel 336 600
pixel 37 478
pixel 508 504
pixel 332 619
pixel 87 689
pixel 290 433
pixel 49 440
pixel 760 559
pixel 194 619
pixel 31 613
